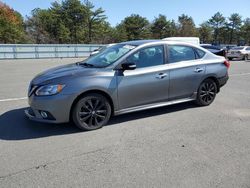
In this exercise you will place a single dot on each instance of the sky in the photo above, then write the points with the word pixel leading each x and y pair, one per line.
pixel 117 10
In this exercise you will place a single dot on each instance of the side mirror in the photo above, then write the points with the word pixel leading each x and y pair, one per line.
pixel 128 66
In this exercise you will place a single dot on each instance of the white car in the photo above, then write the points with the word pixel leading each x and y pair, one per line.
pixel 239 52
pixel 101 49
pixel 191 40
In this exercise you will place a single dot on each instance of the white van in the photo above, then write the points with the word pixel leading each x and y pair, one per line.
pixel 192 40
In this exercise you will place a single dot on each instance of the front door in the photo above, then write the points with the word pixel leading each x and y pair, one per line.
pixel 148 83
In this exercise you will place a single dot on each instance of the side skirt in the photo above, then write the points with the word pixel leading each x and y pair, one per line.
pixel 155 105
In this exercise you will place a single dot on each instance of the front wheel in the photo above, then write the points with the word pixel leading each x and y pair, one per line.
pixel 91 112
pixel 206 92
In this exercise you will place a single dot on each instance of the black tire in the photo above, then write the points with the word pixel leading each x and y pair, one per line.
pixel 246 57
pixel 230 59
pixel 91 112
pixel 206 92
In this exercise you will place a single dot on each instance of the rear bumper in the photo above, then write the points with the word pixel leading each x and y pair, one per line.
pixel 235 55
pixel 223 80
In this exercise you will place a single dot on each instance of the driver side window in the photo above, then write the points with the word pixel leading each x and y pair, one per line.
pixel 147 57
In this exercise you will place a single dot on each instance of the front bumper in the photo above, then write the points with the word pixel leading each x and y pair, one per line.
pixel 29 112
pixel 57 107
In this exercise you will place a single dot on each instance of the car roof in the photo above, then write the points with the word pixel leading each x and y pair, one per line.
pixel 240 46
pixel 139 42
pixel 208 45
pixel 211 47
pixel 143 42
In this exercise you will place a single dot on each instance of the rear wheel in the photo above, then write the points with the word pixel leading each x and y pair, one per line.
pixel 246 57
pixel 230 59
pixel 91 112
pixel 206 92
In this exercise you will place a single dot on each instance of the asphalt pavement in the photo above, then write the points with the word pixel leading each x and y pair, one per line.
pixel 175 146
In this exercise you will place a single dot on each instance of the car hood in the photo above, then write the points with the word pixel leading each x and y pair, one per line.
pixel 61 72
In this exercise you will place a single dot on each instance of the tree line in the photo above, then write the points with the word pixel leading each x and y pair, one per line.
pixel 73 21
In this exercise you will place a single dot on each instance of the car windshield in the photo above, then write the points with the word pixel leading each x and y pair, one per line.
pixel 238 48
pixel 108 56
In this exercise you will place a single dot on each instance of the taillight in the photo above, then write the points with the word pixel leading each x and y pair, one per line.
pixel 227 64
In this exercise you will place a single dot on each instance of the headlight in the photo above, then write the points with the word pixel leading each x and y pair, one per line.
pixel 49 90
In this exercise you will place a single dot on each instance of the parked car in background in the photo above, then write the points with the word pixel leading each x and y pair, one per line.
pixel 229 47
pixel 217 50
pixel 239 52
pixel 101 49
pixel 124 78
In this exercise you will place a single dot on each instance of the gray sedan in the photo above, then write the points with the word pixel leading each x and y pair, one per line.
pixel 126 77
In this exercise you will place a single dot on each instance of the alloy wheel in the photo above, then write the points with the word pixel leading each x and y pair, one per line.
pixel 92 112
pixel 207 92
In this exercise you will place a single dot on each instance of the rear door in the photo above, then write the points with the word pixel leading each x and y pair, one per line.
pixel 186 70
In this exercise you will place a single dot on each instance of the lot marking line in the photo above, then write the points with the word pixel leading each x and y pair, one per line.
pixel 13 99
pixel 241 74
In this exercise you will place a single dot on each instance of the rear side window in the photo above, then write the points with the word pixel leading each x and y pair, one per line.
pixel 200 53
pixel 238 48
pixel 178 53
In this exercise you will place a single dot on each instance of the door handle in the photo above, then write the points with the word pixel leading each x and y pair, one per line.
pixel 161 75
pixel 197 70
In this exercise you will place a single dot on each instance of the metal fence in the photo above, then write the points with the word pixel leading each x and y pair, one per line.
pixel 36 51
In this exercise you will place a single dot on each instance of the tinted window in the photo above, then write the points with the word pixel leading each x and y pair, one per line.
pixel 213 50
pixel 248 48
pixel 211 47
pixel 151 56
pixel 238 48
pixel 200 53
pixel 180 53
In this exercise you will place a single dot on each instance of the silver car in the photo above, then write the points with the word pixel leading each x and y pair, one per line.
pixel 126 77
pixel 239 52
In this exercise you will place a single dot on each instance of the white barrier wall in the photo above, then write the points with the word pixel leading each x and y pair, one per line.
pixel 36 51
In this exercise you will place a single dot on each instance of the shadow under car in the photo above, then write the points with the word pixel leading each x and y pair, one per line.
pixel 15 126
